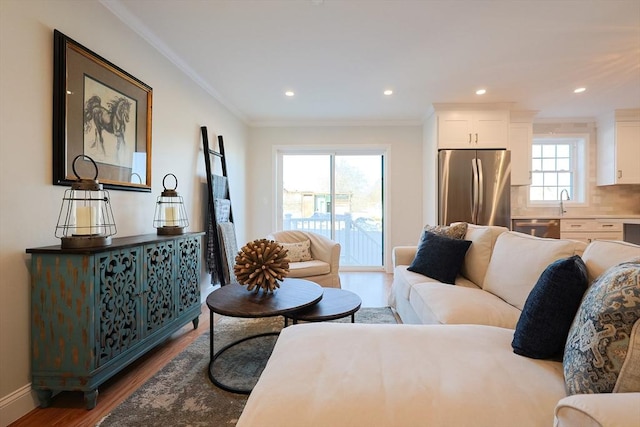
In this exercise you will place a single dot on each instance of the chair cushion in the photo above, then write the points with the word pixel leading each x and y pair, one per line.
pixel 298 251
pixel 599 338
pixel 439 257
pixel 308 268
pixel 547 315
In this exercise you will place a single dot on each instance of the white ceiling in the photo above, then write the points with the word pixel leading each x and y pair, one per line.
pixel 339 55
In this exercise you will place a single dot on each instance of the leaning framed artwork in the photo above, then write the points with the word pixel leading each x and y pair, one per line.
pixel 100 111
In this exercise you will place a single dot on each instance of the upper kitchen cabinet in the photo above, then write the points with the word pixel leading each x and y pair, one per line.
pixel 520 140
pixel 619 148
pixel 473 129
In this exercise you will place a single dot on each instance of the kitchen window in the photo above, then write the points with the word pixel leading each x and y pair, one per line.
pixel 558 169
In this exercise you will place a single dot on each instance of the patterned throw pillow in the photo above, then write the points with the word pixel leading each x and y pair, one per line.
pixel 298 251
pixel 454 231
pixel 599 339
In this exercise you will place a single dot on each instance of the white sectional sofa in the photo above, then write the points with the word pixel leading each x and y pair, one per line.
pixel 491 290
pixel 455 365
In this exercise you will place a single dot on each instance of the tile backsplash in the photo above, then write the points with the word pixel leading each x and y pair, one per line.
pixel 608 200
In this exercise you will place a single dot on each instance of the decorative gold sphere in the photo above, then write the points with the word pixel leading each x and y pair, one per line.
pixel 260 264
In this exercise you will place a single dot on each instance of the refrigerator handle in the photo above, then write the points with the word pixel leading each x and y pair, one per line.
pixel 474 192
pixel 480 204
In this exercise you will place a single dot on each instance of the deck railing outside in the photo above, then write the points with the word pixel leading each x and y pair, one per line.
pixel 360 239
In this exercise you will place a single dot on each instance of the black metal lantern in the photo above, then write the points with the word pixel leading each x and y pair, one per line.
pixel 85 219
pixel 170 217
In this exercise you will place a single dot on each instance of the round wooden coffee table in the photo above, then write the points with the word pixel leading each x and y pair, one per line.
pixel 335 304
pixel 236 301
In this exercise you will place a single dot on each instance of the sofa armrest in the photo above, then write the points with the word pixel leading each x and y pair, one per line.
pixel 601 410
pixel 403 255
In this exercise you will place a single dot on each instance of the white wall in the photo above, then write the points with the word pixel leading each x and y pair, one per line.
pixel 404 188
pixel 30 203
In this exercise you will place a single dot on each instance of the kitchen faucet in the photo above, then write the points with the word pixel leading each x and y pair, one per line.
pixel 562 209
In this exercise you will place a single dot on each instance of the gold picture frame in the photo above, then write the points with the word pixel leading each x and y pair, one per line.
pixel 100 111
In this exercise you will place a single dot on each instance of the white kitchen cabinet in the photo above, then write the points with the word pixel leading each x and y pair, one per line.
pixel 473 129
pixel 619 148
pixel 588 230
pixel 520 140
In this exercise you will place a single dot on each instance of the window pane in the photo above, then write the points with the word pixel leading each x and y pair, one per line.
pixel 564 179
pixel 550 179
pixel 549 164
pixel 550 193
pixel 537 151
pixel 548 150
pixel 536 164
pixel 535 193
pixel 359 209
pixel 536 179
pixel 564 150
pixel 563 164
pixel 306 193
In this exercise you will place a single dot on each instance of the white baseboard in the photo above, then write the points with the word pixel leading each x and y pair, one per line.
pixel 16 405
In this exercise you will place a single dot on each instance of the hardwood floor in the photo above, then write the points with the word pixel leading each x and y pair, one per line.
pixel 67 408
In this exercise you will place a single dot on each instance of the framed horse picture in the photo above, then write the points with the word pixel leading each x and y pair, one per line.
pixel 99 111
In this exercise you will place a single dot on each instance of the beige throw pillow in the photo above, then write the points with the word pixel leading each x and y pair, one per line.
pixel 454 231
pixel 298 251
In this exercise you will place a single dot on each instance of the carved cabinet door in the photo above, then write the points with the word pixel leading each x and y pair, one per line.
pixel 119 283
pixel 159 301
pixel 188 277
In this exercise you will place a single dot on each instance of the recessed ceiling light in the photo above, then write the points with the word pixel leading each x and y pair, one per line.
pixel 289 93
pixel 481 91
pixel 579 90
pixel 388 92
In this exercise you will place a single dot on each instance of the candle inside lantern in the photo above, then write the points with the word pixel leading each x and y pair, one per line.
pixel 86 220
pixel 171 216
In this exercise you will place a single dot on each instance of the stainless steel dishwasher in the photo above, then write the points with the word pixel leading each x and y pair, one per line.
pixel 540 227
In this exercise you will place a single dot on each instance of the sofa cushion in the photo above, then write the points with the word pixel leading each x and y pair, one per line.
pixel 597 410
pixel 599 338
pixel 476 262
pixel 602 254
pixel 435 303
pixel 298 251
pixel 401 375
pixel 547 315
pixel 518 260
pixel 439 257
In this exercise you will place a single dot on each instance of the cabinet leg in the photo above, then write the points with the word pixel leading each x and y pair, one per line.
pixel 91 398
pixel 195 322
pixel 44 397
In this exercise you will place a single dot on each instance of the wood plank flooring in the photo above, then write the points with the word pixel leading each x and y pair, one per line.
pixel 67 408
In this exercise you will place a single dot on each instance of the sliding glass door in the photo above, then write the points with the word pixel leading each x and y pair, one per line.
pixel 338 195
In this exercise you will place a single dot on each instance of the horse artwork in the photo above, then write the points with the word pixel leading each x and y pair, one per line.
pixel 104 115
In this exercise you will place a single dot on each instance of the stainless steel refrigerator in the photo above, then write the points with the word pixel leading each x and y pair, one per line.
pixel 474 186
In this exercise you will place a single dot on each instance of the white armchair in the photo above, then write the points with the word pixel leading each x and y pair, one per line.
pixel 325 257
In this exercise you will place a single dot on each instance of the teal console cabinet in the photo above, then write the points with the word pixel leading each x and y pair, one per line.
pixel 96 310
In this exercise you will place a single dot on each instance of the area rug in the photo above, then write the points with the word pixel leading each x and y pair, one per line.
pixel 182 395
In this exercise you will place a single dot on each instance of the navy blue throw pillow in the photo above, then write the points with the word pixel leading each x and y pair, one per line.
pixel 439 257
pixel 547 314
